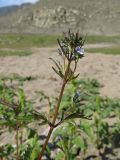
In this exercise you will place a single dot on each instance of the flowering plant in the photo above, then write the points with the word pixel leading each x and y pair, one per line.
pixel 71 50
pixel 20 113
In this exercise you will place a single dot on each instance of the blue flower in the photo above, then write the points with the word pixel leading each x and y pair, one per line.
pixel 80 51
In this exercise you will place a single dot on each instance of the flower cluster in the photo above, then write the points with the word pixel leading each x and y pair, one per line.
pixel 71 46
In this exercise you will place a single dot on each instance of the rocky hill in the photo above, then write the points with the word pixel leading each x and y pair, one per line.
pixel 10 9
pixel 54 16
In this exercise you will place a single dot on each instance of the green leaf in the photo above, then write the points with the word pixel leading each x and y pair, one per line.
pixel 88 112
pixel 80 142
pixel 74 115
pixel 38 116
pixel 34 153
pixel 21 98
pixel 6 150
pixel 58 72
pixel 59 69
pixel 59 66
pixel 59 156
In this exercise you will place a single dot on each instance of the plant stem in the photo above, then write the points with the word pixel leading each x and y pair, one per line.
pixel 17 144
pixel 56 111
pixel 66 157
pixel 21 136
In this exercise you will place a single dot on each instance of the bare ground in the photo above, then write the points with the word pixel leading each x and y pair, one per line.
pixel 104 68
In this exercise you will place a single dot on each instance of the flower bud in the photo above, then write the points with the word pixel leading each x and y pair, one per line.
pixel 76 96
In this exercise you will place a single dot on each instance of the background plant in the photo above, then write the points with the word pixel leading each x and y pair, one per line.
pixel 16 113
pixel 80 110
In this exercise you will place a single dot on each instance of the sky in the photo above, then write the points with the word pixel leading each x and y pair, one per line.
pixel 14 2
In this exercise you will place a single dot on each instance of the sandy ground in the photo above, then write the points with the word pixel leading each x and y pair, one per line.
pixel 104 68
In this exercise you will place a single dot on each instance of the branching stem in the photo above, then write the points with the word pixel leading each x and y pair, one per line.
pixel 65 80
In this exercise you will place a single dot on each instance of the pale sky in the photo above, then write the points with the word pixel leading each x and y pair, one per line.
pixel 14 2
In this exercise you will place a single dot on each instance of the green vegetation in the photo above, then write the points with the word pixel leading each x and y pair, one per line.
pixel 115 50
pixel 26 40
pixel 29 40
pixel 81 133
pixel 18 43
pixel 94 39
pixel 79 116
pixel 15 53
pixel 16 78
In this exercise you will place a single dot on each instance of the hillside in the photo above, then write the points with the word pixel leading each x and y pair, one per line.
pixel 7 10
pixel 11 9
pixel 54 16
